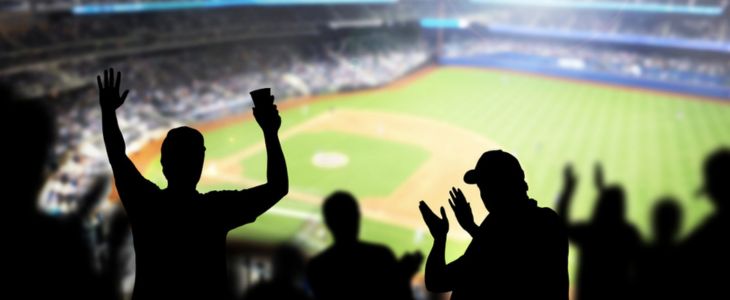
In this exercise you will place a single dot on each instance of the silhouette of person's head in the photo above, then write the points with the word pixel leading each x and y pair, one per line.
pixel 500 179
pixel 183 152
pixel 611 207
pixel 716 172
pixel 342 216
pixel 666 221
pixel 288 264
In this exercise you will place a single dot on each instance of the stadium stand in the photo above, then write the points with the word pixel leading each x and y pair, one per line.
pixel 685 68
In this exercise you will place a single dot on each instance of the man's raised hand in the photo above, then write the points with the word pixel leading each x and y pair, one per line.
pixel 438 227
pixel 462 210
pixel 268 118
pixel 109 97
pixel 570 180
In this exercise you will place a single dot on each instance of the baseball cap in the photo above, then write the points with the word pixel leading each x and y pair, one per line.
pixel 495 164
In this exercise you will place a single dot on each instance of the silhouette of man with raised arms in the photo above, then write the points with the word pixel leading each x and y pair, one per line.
pixel 179 233
pixel 520 250
pixel 352 269
pixel 609 245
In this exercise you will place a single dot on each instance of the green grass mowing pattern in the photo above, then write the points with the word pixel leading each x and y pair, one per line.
pixel 369 172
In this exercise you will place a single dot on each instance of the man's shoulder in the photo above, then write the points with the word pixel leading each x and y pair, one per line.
pixel 544 214
pixel 549 214
pixel 546 219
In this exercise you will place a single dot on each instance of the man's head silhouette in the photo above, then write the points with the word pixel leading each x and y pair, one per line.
pixel 342 216
pixel 183 152
pixel 500 179
pixel 716 173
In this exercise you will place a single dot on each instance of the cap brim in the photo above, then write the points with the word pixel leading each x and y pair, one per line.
pixel 470 177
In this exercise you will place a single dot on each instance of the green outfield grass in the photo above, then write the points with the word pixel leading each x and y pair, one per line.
pixel 653 144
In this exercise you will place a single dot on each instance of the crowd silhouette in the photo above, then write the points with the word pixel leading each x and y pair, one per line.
pixel 608 243
pixel 519 251
pixel 617 264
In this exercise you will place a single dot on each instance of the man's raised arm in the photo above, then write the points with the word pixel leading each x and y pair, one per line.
pixel 126 175
pixel 565 198
pixel 437 279
pixel 277 178
pixel 244 206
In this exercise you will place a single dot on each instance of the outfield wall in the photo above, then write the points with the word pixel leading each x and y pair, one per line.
pixel 552 67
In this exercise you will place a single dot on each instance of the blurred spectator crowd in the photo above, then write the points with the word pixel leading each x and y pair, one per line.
pixel 697 69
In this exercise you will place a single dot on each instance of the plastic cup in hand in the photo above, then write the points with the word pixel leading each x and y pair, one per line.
pixel 262 97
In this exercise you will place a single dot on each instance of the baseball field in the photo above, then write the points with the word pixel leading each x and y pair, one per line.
pixel 415 138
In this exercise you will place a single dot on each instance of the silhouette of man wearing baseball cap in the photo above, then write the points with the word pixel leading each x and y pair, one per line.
pixel 519 251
